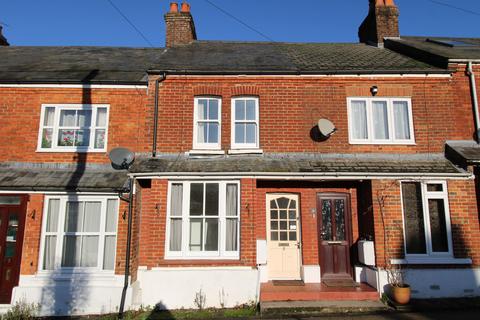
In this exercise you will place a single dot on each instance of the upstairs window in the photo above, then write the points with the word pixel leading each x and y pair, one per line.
pixel 207 123
pixel 73 128
pixel 380 121
pixel 245 125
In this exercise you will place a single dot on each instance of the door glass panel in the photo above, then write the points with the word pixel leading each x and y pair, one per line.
pixel 273 204
pixel 283 203
pixel 340 220
pixel 274 225
pixel 10 250
pixel 283 236
pixel 438 225
pixel 283 214
pixel 293 236
pixel 274 214
pixel 434 187
pixel 413 216
pixel 11 200
pixel 327 220
pixel 283 225
pixel 274 236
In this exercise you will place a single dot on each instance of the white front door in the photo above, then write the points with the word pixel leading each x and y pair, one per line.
pixel 283 237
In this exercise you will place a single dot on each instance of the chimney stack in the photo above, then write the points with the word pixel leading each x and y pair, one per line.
pixel 381 22
pixel 3 40
pixel 180 28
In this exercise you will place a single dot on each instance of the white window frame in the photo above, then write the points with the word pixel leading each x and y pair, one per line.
pixel 207 146
pixel 56 124
pixel 185 253
pixel 427 195
pixel 60 233
pixel 251 146
pixel 391 123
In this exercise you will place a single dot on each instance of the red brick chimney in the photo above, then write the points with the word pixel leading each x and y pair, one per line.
pixel 180 26
pixel 3 40
pixel 381 22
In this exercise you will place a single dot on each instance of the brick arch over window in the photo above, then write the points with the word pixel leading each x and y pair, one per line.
pixel 245 91
pixel 208 91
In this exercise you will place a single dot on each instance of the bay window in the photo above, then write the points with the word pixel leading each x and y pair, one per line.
pixel 79 232
pixel 203 220
pixel 380 121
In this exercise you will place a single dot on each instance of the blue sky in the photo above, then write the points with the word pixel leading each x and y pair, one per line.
pixel 95 22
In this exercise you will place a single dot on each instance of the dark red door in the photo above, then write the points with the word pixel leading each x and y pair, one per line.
pixel 334 235
pixel 12 221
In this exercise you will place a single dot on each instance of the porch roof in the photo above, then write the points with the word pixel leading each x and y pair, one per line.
pixel 60 177
pixel 463 153
pixel 326 164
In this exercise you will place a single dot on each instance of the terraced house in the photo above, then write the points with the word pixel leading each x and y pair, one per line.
pixel 255 163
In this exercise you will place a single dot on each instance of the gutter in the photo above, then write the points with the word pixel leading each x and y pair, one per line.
pixel 473 88
pixel 155 114
pixel 297 72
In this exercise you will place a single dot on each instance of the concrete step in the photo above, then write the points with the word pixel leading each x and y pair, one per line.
pixel 293 308
pixel 4 308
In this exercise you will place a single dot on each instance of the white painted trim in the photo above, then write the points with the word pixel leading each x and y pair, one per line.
pixel 370 76
pixel 245 151
pixel 431 260
pixel 390 117
pixel 231 268
pixel 207 146
pixel 463 61
pixel 204 152
pixel 245 146
pixel 59 193
pixel 75 86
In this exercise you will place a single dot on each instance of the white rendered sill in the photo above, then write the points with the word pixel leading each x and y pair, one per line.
pixel 430 260
pixel 384 143
pixel 200 258
pixel 205 152
pixel 69 151
pixel 245 151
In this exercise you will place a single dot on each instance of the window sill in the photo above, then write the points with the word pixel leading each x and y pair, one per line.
pixel 245 151
pixel 431 260
pixel 205 152
pixel 69 151
pixel 386 143
pixel 204 259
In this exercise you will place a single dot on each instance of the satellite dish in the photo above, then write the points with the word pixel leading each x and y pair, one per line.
pixel 326 127
pixel 121 158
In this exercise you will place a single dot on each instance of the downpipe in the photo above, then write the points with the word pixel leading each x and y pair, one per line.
pixel 473 87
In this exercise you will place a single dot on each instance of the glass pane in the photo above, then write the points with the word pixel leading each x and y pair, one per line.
pixel 340 220
pixel 196 199
pixel 359 120
pixel 212 133
pixel 413 216
pixel 250 110
pixel 112 214
pixel 71 251
pixel 89 256
pixel 231 234
pixel 274 225
pixel 175 234
pixel 251 133
pixel 239 133
pixel 67 118
pixel 293 204
pixel 292 225
pixel 434 187
pixel 239 110
pixel 47 138
pixel 101 117
pixel 99 138
pixel 283 203
pixel 283 225
pixel 400 117
pixel 52 215
pixel 202 132
pixel 273 214
pixel 48 118
pixel 283 236
pixel 213 110
pixel 66 138
pixel 232 198
pixel 202 109
pixel 176 200
pixel 283 214
pixel 196 234
pixel 327 220
pixel 82 138
pixel 273 204
pixel 109 253
pixel 274 236
pixel 211 199
pixel 49 253
pixel 292 214
pixel 438 225
pixel 84 118
pixel 380 120
pixel 10 249
pixel 91 222
pixel 211 234
pixel 292 236
pixel 10 200
pixel 74 216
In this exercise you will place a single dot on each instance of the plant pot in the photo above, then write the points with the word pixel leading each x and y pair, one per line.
pixel 400 294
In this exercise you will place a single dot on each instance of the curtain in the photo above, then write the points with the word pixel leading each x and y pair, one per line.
pixel 101 120
pixel 231 235
pixel 111 219
pixel 400 115
pixel 89 256
pixel 359 120
pixel 380 120
pixel 232 211
pixel 49 253
pixel 231 200
pixel 49 116
pixel 196 234
pixel 175 234
pixel 52 215
pixel 109 253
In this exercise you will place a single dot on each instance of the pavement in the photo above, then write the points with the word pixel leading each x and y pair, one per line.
pixel 445 315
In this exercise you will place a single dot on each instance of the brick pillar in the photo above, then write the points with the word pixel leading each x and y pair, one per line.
pixel 381 22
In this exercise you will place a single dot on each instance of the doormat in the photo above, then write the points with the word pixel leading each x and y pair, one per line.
pixel 287 283
pixel 345 283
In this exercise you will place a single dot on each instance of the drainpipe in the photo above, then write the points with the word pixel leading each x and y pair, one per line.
pixel 155 114
pixel 473 88
pixel 127 253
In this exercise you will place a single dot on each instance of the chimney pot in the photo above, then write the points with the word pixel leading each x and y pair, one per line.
pixel 173 7
pixel 185 7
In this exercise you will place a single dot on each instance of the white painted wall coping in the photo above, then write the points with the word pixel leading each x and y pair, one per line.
pixel 431 261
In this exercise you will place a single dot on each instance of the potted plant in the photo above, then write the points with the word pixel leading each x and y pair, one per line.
pixel 399 291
